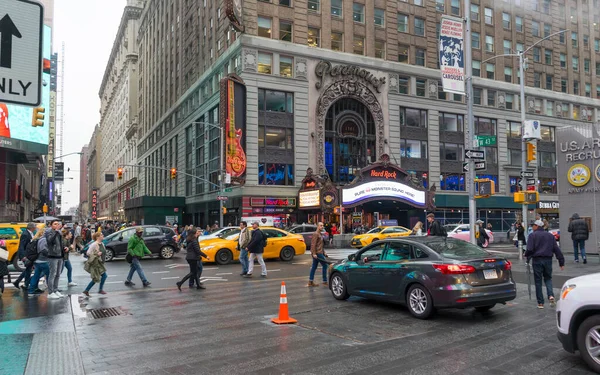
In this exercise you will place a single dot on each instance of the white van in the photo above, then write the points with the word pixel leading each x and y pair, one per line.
pixel 263 221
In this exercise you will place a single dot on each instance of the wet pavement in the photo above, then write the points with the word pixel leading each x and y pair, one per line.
pixel 226 329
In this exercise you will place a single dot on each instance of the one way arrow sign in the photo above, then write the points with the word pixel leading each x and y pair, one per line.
pixel 479 166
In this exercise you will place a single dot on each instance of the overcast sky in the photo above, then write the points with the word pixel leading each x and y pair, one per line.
pixel 88 29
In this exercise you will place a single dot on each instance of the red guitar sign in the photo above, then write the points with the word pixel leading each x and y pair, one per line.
pixel 236 157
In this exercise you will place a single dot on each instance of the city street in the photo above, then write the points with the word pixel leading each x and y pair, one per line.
pixel 226 329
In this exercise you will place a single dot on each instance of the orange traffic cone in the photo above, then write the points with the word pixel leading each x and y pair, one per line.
pixel 284 315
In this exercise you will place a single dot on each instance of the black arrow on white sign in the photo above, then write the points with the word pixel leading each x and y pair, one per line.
pixel 474 154
pixel 8 30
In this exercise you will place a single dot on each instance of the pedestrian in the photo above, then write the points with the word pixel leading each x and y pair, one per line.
pixel 95 264
pixel 541 246
pixel 3 268
pixel 67 237
pixel 243 241
pixel 77 237
pixel 580 232
pixel 520 235
pixel 256 247
pixel 194 260
pixel 41 265
pixel 418 229
pixel 483 236
pixel 56 250
pixel 206 231
pixel 25 240
pixel 136 249
pixel 318 253
pixel 489 226
pixel 435 229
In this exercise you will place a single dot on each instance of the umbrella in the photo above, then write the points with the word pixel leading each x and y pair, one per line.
pixel 45 218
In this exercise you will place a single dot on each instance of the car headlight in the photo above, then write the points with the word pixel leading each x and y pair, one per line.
pixel 566 290
pixel 209 247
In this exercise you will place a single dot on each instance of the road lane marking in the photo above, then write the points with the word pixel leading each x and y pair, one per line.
pixel 226 273
pixel 277 270
pixel 113 282
pixel 161 272
pixel 300 263
pixel 170 278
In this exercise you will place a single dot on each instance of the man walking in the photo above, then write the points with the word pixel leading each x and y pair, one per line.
pixel 243 242
pixel 25 240
pixel 541 246
pixel 54 239
pixel 580 232
pixel 77 237
pixel 136 248
pixel 256 247
pixel 435 229
pixel 318 254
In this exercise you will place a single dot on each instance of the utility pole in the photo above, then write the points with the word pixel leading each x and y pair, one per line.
pixel 523 142
pixel 469 129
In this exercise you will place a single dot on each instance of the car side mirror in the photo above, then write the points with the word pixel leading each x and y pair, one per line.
pixel 121 238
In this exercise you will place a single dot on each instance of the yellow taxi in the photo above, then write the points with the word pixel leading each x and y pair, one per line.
pixel 378 233
pixel 280 244
pixel 11 233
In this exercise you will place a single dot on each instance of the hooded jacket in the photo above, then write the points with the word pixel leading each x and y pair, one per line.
pixel 55 244
pixel 578 228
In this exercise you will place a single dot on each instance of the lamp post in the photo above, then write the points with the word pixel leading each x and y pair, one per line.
pixel 522 62
pixel 470 128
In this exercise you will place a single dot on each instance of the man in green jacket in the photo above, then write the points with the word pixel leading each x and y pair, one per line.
pixel 136 248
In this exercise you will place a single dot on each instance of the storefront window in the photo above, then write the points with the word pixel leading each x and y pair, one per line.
pixel 547 185
pixel 450 122
pixel 275 174
pixel 454 182
pixel 413 117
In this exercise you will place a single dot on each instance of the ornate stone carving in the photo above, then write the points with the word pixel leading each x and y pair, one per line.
pixel 530 104
pixel 250 60
pixel 502 100
pixel 301 69
pixel 393 83
pixel 432 89
pixel 347 88
pixel 559 110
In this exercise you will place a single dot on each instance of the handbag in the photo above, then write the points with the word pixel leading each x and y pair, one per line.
pixel 3 254
pixel 86 266
pixel 516 237
pixel 129 258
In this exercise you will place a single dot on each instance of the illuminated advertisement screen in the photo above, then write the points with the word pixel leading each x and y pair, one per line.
pixel 383 189
pixel 18 128
pixel 311 198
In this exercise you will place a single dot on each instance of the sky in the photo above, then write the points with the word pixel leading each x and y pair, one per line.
pixel 88 29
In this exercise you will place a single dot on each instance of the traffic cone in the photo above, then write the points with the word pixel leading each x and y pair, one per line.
pixel 284 315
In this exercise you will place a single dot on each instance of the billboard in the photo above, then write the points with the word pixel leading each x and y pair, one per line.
pixel 20 128
pixel 452 59
pixel 94 204
pixel 233 119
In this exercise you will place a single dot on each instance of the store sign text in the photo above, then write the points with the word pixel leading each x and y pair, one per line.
pixel 384 174
pixel 587 150
pixel 309 198
pixel 325 68
pixel 384 188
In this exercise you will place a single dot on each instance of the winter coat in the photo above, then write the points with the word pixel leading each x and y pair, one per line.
pixel 541 244
pixel 483 236
pixel 316 245
pixel 137 247
pixel 3 268
pixel 257 240
pixel 95 266
pixel 23 242
pixel 436 229
pixel 244 239
pixel 54 242
pixel 194 252
pixel 66 244
pixel 578 228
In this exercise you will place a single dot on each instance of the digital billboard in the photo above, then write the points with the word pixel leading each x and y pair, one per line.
pixel 26 128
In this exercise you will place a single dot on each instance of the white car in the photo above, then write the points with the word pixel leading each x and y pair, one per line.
pixel 223 232
pixel 462 232
pixel 578 318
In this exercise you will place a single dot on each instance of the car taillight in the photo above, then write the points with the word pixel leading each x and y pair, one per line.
pixel 454 269
pixel 490 260
pixel 507 265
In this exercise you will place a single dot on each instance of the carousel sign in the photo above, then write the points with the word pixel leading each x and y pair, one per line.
pixel 324 68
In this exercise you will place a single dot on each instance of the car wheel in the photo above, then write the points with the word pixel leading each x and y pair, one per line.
pixel 223 257
pixel 18 264
pixel 484 308
pixel 419 302
pixel 338 287
pixel 109 255
pixel 167 252
pixel 287 254
pixel 588 342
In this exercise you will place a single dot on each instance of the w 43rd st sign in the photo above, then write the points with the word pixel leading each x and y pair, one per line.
pixel 21 52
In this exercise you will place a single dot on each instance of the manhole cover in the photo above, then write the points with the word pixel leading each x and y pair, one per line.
pixel 106 312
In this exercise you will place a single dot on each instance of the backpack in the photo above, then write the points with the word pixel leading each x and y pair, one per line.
pixel 31 251
pixel 264 239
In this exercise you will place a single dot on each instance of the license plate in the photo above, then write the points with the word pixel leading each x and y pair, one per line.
pixel 490 274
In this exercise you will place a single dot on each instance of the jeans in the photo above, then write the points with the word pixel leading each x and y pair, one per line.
pixel 192 279
pixel 579 245
pixel 263 266
pixel 69 267
pixel 542 268
pixel 56 265
pixel 193 275
pixel 136 266
pixel 40 268
pixel 315 264
pixel 25 275
pixel 102 280
pixel 244 260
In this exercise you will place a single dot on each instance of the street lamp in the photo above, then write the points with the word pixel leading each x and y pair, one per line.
pixel 522 61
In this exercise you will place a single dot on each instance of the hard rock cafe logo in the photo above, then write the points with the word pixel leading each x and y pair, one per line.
pixel 328 198
pixel 579 175
pixel 388 175
pixel 325 68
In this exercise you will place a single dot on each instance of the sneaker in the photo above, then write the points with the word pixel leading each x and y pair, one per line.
pixel 311 284
pixel 263 276
pixel 72 284
pixel 38 291
pixel 58 293
pixel 200 287
pixel 552 301
pixel 540 305
pixel 576 260
pixel 129 283
pixel 54 296
pixel 102 292
pixel 86 293
pixel 243 273
pixel 248 275
pixel 584 261
pixel 147 283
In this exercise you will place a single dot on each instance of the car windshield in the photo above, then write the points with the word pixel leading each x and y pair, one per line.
pixel 451 227
pixel 375 230
pixel 232 237
pixel 457 249
pixel 228 232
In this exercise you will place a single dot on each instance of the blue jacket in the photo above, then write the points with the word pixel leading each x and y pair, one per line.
pixel 541 244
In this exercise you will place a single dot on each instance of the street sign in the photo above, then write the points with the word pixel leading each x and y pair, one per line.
pixel 222 198
pixel 479 166
pixel 21 23
pixel 228 190
pixel 526 174
pixel 485 140
pixel 531 181
pixel 474 154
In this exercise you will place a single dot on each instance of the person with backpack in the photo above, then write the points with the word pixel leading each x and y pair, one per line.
pixel 256 247
pixel 435 229
pixel 95 264
pixel 24 242
pixel 483 236
pixel 40 263
pixel 56 251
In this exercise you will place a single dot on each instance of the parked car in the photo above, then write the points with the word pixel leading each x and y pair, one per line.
pixel 11 234
pixel 280 244
pixel 554 229
pixel 578 318
pixel 160 240
pixel 307 231
pixel 425 274
pixel 463 232
pixel 378 233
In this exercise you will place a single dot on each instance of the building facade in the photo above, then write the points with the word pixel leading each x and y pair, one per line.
pixel 118 117
pixel 335 85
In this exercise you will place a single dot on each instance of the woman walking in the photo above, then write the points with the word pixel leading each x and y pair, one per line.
pixel 67 236
pixel 95 263
pixel 418 229
pixel 193 258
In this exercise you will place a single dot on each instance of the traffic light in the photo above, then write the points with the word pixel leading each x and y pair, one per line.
pixel 173 173
pixel 526 197
pixel 531 152
pixel 38 117
pixel 224 210
pixel 120 173
pixel 485 188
